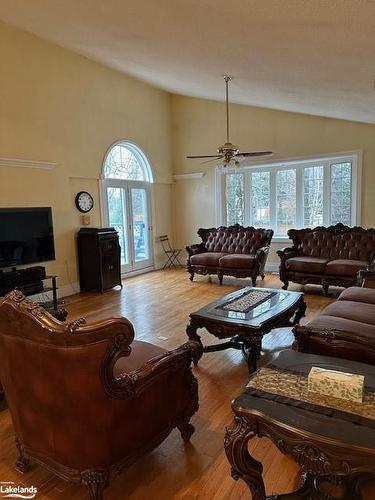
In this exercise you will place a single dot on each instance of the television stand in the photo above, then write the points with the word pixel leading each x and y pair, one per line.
pixel 52 306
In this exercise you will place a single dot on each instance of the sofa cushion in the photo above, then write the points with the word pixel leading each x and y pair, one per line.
pixel 141 353
pixel 307 265
pixel 210 259
pixel 345 267
pixel 357 294
pixel 237 261
pixel 355 311
pixel 323 322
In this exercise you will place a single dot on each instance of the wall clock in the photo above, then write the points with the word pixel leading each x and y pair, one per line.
pixel 84 201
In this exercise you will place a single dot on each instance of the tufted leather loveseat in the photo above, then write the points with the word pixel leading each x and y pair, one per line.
pixel 234 250
pixel 327 255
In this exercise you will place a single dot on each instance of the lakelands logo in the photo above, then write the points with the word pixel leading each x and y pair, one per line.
pixel 11 490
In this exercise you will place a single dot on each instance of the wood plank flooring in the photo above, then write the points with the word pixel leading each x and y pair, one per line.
pixel 159 304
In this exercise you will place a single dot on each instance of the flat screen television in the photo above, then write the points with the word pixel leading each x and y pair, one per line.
pixel 26 236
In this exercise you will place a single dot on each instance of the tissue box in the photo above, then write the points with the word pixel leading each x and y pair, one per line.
pixel 337 384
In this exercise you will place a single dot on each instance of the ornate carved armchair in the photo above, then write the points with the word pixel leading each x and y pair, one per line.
pixel 87 400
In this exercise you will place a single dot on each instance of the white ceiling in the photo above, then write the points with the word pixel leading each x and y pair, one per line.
pixel 309 56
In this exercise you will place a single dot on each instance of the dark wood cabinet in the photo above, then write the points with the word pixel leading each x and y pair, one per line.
pixel 99 256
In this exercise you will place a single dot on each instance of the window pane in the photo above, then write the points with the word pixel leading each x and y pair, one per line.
pixel 140 224
pixel 235 198
pixel 121 163
pixel 260 199
pixel 313 196
pixel 285 201
pixel 341 193
pixel 116 217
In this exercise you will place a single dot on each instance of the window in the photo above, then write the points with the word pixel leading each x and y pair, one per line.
pixel 126 161
pixel 303 193
pixel 126 203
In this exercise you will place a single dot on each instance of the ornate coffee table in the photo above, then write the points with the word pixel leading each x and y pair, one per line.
pixel 245 316
pixel 332 440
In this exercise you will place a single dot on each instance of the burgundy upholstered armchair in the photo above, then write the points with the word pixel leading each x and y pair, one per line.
pixel 234 250
pixel 88 400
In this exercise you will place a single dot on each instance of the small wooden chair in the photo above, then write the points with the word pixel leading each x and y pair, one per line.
pixel 171 253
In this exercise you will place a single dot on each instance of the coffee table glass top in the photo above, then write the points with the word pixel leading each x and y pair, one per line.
pixel 249 305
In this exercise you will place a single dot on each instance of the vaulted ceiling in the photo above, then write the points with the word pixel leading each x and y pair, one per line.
pixel 309 56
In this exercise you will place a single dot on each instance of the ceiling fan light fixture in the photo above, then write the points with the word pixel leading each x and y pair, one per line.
pixel 228 152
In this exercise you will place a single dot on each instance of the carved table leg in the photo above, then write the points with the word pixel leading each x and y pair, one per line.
pixel 95 480
pixel 243 465
pixel 191 332
pixel 23 462
pixel 300 313
pixel 252 349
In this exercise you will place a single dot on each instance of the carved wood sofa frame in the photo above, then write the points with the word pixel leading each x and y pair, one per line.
pixel 306 277
pixel 259 253
pixel 66 403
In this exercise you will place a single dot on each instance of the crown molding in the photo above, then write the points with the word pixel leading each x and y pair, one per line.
pixel 186 177
pixel 18 162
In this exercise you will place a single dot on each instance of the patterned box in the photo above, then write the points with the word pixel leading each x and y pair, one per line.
pixel 337 384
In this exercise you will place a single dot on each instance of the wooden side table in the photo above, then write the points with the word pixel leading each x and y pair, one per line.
pixel 328 446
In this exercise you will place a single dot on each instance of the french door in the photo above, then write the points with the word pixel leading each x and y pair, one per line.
pixel 126 207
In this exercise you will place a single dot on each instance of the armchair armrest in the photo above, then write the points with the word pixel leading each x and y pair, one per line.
pixel 287 253
pixel 195 249
pixel 263 250
pixel 136 381
pixel 366 277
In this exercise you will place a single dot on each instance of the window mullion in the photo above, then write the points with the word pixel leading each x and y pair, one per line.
pixel 273 199
pixel 248 194
pixel 299 196
pixel 327 194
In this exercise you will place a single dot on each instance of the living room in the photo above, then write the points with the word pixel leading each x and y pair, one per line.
pixel 101 105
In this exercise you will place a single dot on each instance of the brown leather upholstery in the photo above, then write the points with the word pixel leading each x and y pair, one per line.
pixel 234 250
pixel 310 265
pixel 342 267
pixel 357 294
pixel 210 259
pixel 238 261
pixel 345 251
pixel 87 400
pixel 345 328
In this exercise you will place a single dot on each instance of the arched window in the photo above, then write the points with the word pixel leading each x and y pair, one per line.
pixel 124 160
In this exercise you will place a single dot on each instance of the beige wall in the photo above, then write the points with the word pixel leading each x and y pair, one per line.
pixel 199 128
pixel 58 106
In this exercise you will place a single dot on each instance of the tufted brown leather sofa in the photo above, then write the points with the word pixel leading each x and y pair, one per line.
pixel 234 250
pixel 344 329
pixel 88 400
pixel 327 255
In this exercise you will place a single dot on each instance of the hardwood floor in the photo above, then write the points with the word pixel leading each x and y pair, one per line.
pixel 159 304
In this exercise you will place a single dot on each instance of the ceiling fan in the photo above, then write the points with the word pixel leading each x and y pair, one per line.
pixel 228 152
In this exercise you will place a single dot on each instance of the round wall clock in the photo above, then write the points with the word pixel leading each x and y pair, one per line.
pixel 84 201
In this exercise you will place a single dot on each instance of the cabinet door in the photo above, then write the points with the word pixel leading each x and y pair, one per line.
pixel 110 263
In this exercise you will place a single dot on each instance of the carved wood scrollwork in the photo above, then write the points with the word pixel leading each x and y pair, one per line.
pixel 119 347
pixel 95 480
pixel 310 457
pixel 243 466
pixel 73 326
pixel 25 304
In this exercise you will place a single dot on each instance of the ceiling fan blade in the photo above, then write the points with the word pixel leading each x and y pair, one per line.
pixel 212 159
pixel 201 156
pixel 255 153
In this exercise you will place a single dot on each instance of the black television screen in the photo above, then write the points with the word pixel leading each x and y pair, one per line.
pixel 26 236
